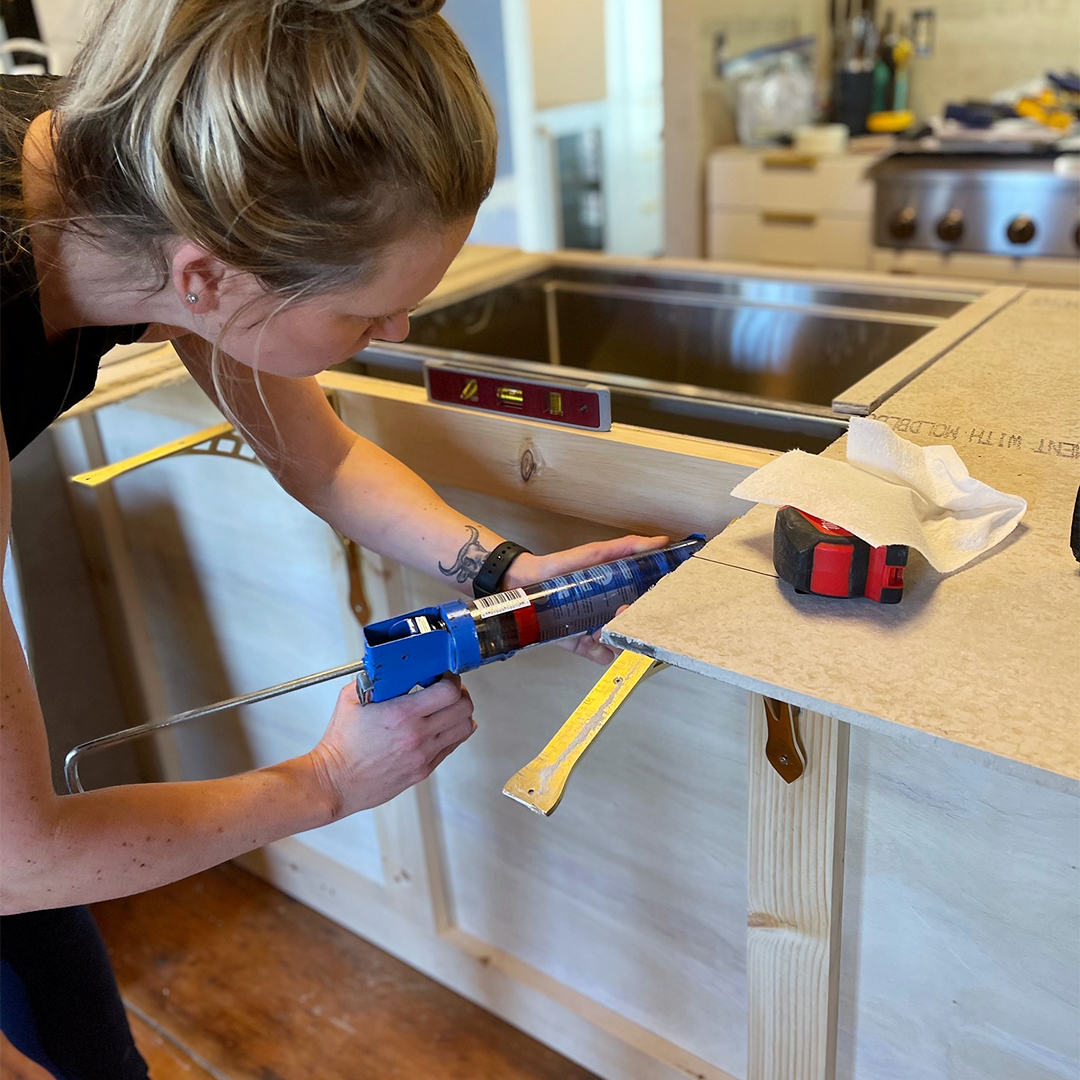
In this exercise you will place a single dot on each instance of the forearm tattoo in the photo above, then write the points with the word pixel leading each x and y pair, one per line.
pixel 469 559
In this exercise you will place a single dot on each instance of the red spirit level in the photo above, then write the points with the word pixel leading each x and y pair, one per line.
pixel 816 556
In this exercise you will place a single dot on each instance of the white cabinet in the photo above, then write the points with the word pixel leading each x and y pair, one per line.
pixel 783 207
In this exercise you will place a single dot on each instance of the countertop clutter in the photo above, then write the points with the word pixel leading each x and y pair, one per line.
pixel 954 179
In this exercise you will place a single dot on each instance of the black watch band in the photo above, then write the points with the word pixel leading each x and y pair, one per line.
pixel 489 579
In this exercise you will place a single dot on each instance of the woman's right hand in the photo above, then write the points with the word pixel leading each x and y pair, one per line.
pixel 370 753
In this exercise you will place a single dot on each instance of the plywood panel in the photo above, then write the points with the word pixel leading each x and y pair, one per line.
pixel 603 932
pixel 562 1018
pixel 961 933
pixel 634 892
pixel 244 588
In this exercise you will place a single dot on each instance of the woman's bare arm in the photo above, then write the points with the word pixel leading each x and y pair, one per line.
pixel 61 850
pixel 370 496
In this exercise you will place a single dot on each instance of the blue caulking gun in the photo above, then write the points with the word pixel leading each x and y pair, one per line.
pixel 419 648
pixel 416 649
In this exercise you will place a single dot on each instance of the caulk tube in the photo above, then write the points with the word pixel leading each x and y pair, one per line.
pixel 418 648
pixel 575 603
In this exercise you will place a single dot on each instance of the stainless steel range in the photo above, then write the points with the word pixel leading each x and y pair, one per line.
pixel 1012 218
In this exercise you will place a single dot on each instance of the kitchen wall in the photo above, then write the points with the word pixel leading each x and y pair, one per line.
pixel 699 107
pixel 567 51
pixel 479 24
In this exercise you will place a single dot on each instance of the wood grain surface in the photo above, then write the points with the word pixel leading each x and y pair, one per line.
pixel 225 977
pixel 795 883
pixel 13 1066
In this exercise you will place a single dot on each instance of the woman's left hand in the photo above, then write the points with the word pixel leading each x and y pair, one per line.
pixel 527 569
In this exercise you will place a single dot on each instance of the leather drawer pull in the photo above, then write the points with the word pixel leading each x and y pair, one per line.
pixel 780 217
pixel 789 160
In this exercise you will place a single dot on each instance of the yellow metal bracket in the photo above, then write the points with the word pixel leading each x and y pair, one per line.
pixel 220 440
pixel 540 785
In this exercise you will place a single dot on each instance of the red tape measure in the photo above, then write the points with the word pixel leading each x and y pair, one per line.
pixel 815 556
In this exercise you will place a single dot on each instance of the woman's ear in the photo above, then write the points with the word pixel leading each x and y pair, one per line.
pixel 197 278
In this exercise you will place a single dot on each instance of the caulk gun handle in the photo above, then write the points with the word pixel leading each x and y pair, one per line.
pixel 368 693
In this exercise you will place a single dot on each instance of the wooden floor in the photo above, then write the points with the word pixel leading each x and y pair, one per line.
pixel 225 978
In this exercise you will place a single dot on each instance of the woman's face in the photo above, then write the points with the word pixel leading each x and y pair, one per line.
pixel 308 336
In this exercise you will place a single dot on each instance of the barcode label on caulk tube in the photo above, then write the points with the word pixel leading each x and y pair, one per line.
pixel 501 603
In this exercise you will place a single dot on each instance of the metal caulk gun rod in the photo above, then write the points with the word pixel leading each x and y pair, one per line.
pixel 71 762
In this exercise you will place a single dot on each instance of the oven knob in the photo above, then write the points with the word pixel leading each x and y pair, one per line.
pixel 1021 230
pixel 902 224
pixel 951 227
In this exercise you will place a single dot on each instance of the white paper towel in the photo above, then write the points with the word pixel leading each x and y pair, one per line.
pixel 891 491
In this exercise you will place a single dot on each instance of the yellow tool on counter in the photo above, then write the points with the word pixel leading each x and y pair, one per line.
pixel 540 785
pixel 1047 108
pixel 881 123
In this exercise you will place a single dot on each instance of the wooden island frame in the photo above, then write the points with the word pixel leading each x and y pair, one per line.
pixel 537 945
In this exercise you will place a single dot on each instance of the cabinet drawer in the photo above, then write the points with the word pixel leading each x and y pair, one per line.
pixel 793 238
pixel 783 180
pixel 1038 271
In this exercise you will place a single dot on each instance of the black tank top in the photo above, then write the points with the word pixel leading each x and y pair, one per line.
pixel 39 379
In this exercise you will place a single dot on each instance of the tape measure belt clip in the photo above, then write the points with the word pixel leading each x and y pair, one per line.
pixel 816 556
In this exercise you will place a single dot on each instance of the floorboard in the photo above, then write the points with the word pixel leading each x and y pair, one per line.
pixel 13 1066
pixel 228 979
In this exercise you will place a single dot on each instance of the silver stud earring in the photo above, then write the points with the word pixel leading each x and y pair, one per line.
pixel 192 298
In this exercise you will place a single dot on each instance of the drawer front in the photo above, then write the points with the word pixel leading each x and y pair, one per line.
pixel 786 181
pixel 790 238
pixel 1039 271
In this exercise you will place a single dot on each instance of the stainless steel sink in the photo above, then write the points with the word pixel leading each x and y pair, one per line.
pixel 745 359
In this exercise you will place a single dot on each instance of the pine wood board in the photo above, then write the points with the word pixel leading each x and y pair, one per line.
pixel 651 481
pixel 984 658
pixel 795 886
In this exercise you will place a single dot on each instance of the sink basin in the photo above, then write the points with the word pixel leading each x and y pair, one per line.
pixel 745 359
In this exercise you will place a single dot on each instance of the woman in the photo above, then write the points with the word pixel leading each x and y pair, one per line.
pixel 270 184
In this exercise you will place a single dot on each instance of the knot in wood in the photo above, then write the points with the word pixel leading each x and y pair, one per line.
pixel 529 464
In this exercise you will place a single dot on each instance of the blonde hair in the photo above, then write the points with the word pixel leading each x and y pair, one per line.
pixel 292 139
